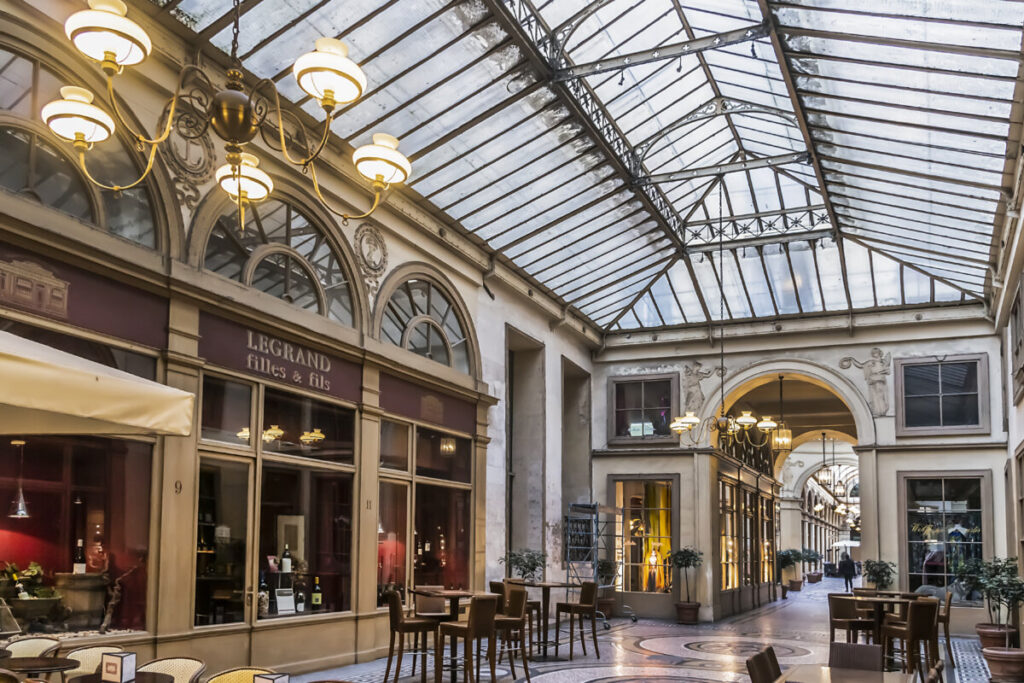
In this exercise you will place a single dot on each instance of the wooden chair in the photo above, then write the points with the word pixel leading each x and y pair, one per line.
pixel 88 659
pixel 764 666
pixel 935 673
pixel 431 608
pixel 182 669
pixel 511 628
pixel 944 615
pixel 843 615
pixel 241 674
pixel 855 656
pixel 401 627
pixel 498 588
pixel 586 607
pixel 918 630
pixel 36 646
pixel 8 676
pixel 478 626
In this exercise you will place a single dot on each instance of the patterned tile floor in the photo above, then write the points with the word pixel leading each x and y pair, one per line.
pixel 653 650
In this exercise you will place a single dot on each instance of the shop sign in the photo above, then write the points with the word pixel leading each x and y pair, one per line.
pixel 401 397
pixel 54 290
pixel 240 347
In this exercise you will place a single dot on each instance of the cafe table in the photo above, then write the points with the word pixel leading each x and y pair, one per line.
pixel 140 677
pixel 453 597
pixel 4 653
pixel 37 666
pixel 878 604
pixel 545 609
pixel 813 673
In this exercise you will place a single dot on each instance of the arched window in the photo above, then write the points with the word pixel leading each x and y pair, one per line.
pixel 420 318
pixel 284 253
pixel 35 164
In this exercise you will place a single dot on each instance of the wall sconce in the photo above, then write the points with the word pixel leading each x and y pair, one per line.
pixel 272 433
pixel 447 445
pixel 313 437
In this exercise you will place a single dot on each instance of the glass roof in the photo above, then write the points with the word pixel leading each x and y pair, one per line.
pixel 604 147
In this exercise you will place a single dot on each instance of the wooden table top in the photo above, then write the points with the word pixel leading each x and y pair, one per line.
pixel 444 593
pixel 544 584
pixel 140 677
pixel 39 665
pixel 876 599
pixel 812 673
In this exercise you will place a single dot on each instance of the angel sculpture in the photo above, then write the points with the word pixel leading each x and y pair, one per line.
pixel 876 372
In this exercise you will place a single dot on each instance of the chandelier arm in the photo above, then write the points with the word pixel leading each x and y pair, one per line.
pixel 307 161
pixel 117 188
pixel 139 137
pixel 378 190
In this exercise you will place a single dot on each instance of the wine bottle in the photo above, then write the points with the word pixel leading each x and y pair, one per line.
pixel 78 558
pixel 300 601
pixel 286 560
pixel 318 597
pixel 263 598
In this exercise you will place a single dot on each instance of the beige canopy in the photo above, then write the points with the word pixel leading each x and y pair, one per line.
pixel 46 391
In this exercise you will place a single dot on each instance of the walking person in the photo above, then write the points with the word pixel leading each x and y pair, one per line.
pixel 848 570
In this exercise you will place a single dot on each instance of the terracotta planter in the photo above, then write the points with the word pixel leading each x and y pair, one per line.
pixel 813 577
pixel 1005 664
pixel 796 585
pixel 994 635
pixel 687 612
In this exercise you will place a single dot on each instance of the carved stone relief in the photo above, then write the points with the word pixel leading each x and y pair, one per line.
pixel 876 373
pixel 189 153
pixel 372 255
pixel 693 395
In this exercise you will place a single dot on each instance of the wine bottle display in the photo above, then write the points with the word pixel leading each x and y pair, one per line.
pixel 318 597
pixel 286 560
pixel 78 558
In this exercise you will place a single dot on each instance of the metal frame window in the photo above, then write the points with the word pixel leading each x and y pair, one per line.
pixel 941 396
pixel 646 543
pixel 728 500
pixel 640 408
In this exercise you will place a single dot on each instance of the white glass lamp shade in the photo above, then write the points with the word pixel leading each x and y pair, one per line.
pixel 245 179
pixel 746 420
pixel 767 424
pixel 75 115
pixel 105 32
pixel 677 426
pixel 690 420
pixel 382 161
pixel 328 74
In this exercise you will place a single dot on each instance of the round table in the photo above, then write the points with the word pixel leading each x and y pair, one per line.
pixel 140 677
pixel 35 666
pixel 4 653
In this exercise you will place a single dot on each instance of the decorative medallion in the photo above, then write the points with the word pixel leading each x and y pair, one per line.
pixel 372 254
pixel 189 153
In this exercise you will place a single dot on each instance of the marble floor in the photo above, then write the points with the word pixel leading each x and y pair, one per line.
pixel 653 650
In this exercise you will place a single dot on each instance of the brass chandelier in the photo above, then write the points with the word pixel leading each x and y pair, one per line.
pixel 106 35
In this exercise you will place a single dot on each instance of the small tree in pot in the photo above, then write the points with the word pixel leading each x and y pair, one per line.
pixel 812 557
pixel 687 611
pixel 788 559
pixel 879 573
pixel 1003 591
pixel 527 564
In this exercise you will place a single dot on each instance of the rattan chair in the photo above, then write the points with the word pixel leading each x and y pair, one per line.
pixel 585 608
pixel 855 656
pixel 35 646
pixel 242 674
pixel 764 667
pixel 88 659
pixel 182 669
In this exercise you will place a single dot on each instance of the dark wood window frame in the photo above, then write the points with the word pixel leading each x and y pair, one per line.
pixel 613 382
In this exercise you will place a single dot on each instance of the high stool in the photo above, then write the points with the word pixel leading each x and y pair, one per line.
pixel 402 626
pixel 478 625
pixel 585 607
pixel 944 615
pixel 511 627
pixel 919 629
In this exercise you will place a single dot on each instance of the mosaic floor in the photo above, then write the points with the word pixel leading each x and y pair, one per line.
pixel 651 650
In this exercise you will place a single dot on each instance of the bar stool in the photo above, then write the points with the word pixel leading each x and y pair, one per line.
pixel 478 625
pixel 498 588
pixel 944 614
pixel 919 628
pixel 402 626
pixel 511 627
pixel 585 607
pixel 843 615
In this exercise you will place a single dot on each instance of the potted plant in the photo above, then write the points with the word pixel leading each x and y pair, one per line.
pixel 812 557
pixel 687 611
pixel 526 564
pixel 33 599
pixel 879 573
pixel 788 559
pixel 1003 592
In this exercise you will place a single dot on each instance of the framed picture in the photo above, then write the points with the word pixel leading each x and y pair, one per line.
pixel 291 529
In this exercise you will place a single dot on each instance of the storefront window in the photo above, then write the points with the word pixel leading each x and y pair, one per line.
pixel 305 540
pixel 944 530
pixel 394 445
pixel 749 535
pixel 391 539
pixel 220 542
pixel 728 535
pixel 441 456
pixel 77 488
pixel 227 407
pixel 647 514
pixel 442 536
pixel 767 540
pixel 298 425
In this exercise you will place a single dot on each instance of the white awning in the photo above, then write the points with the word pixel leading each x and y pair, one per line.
pixel 846 544
pixel 46 391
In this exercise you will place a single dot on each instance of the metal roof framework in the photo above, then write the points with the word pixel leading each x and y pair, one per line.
pixel 660 163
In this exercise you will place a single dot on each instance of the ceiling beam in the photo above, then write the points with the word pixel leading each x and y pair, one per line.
pixel 731 167
pixel 762 240
pixel 686 47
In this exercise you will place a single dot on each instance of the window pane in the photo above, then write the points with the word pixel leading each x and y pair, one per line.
pixel 658 420
pixel 964 527
pixel 309 513
pixel 394 445
pixel 631 423
pixel 960 410
pixel 391 539
pixel 959 377
pixel 922 411
pixel 442 456
pixel 648 513
pixel 924 493
pixel 298 425
pixel 658 394
pixel 226 408
pixel 280 276
pixel 920 379
pixel 442 537
pixel 628 395
pixel 925 526
pixel 438 349
pixel 220 542
pixel 963 494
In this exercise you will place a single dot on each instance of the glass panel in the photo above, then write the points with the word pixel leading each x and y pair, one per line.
pixel 298 425
pixel 628 395
pixel 963 494
pixel 280 276
pixel 391 539
pixel 221 552
pixel 305 540
pixel 960 410
pixel 443 456
pixel 658 394
pixel 922 411
pixel 53 181
pixel 924 494
pixel 442 528
pixel 394 445
pixel 925 526
pixel 920 379
pixel 958 378
pixel 226 410
pixel 647 507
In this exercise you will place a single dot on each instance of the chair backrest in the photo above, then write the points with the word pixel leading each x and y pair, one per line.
pixel 395 611
pixel 8 676
pixel 944 610
pixel 855 656
pixel 482 610
pixel 88 659
pixel 428 605
pixel 841 606
pixel 869 592
pixel 242 674
pixel 588 593
pixel 923 617
pixel 36 646
pixel 515 604
pixel 764 667
pixel 498 588
pixel 182 669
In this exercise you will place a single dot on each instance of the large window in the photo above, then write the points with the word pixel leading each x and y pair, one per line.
pixel 947 396
pixel 421 318
pixel 442 536
pixel 392 525
pixel 222 525
pixel 642 408
pixel 77 490
pixel 647 538
pixel 944 530
pixel 728 535
pixel 767 550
